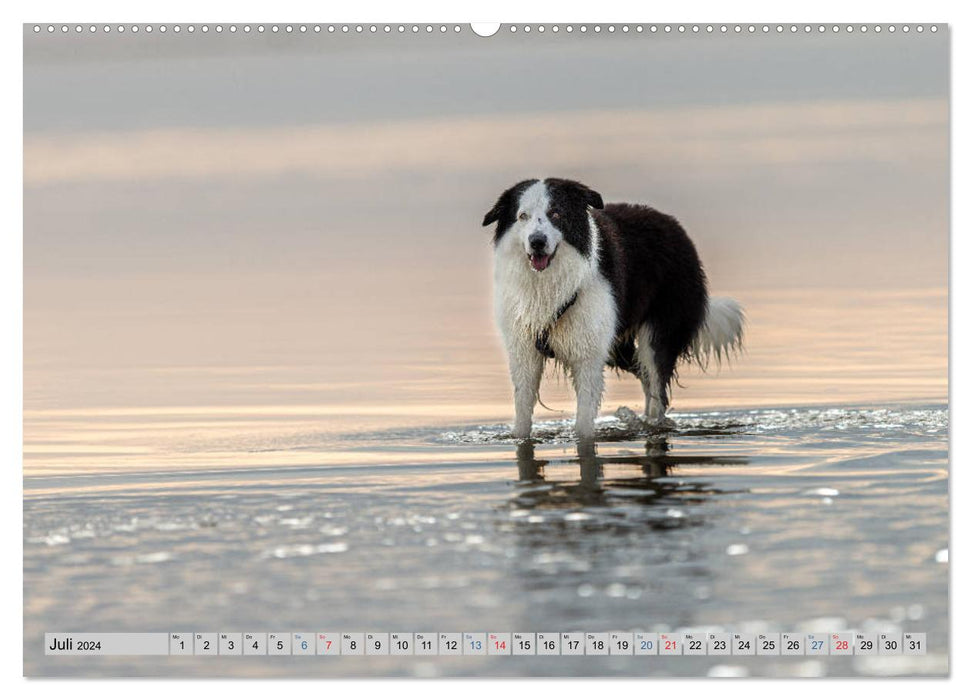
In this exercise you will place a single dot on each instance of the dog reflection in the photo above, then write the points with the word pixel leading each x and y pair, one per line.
pixel 594 488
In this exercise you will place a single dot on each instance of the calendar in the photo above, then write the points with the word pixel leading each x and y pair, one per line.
pixel 484 644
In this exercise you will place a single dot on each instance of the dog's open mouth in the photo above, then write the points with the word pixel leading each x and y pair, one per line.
pixel 541 262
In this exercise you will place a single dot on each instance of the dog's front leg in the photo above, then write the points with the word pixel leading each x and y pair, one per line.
pixel 588 381
pixel 526 370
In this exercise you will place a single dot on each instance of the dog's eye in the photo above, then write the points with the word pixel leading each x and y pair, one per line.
pixel 554 215
pixel 523 216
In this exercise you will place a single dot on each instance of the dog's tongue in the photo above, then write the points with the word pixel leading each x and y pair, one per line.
pixel 539 262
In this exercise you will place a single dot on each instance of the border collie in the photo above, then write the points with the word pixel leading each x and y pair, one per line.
pixel 592 285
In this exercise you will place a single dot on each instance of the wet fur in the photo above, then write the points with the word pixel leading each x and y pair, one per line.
pixel 642 298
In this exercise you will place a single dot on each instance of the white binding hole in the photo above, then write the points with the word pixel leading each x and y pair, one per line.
pixel 485 29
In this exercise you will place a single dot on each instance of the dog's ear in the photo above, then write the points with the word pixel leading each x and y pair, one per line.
pixel 575 191
pixel 492 216
pixel 504 201
pixel 592 198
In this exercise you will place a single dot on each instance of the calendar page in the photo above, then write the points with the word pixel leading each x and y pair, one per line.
pixel 451 350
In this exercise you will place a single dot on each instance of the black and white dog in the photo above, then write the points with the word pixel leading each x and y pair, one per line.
pixel 590 286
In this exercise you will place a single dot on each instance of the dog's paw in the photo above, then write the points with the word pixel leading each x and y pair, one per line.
pixel 659 423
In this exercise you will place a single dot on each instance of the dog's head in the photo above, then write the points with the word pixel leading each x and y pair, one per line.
pixel 537 217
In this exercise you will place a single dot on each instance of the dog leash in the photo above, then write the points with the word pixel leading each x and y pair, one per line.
pixel 543 338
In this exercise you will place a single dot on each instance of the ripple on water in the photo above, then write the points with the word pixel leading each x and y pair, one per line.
pixel 626 424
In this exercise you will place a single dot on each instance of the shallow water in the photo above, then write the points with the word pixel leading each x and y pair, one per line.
pixel 796 519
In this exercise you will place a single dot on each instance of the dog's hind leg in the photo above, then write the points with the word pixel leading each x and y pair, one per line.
pixel 652 376
pixel 526 371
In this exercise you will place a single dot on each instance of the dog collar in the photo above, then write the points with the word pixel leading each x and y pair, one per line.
pixel 543 338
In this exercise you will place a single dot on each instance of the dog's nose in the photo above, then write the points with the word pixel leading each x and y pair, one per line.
pixel 537 242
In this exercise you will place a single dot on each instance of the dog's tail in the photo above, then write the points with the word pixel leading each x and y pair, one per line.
pixel 720 336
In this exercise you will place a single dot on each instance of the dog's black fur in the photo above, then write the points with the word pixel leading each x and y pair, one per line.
pixel 646 256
